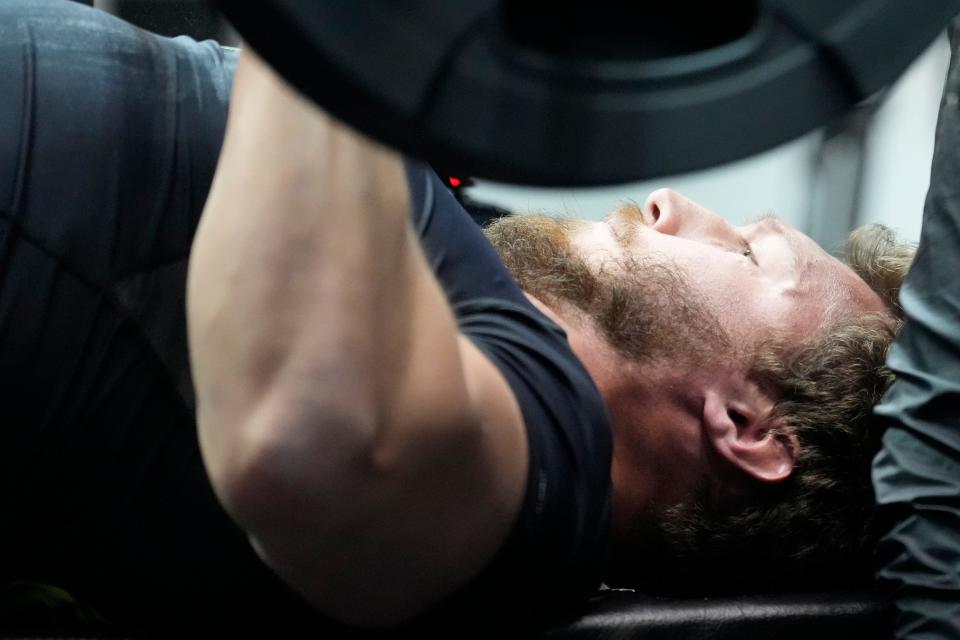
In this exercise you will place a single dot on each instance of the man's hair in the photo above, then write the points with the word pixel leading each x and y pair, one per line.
pixel 814 528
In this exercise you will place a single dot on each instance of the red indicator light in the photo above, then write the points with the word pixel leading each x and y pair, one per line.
pixel 454 182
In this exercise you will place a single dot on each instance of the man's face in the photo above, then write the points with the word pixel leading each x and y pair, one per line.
pixel 684 274
pixel 753 279
pixel 683 298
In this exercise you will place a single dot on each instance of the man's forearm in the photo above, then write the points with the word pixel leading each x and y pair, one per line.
pixel 302 252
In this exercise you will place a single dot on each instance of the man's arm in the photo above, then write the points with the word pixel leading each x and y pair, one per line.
pixel 375 456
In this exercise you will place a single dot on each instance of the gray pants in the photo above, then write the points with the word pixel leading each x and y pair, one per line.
pixel 917 473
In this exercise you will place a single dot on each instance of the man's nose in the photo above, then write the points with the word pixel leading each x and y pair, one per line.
pixel 671 213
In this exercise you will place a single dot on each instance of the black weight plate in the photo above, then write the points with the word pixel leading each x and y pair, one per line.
pixel 591 93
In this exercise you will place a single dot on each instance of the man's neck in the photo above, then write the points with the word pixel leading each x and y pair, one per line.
pixel 546 310
pixel 611 373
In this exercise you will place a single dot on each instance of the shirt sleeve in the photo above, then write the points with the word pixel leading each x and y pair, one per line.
pixel 917 472
pixel 554 557
pixel 109 136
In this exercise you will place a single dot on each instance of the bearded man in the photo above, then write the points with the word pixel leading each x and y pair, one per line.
pixel 406 424
pixel 397 420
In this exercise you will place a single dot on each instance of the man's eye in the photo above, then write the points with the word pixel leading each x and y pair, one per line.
pixel 747 252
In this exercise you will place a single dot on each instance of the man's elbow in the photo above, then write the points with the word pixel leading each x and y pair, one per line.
pixel 272 463
pixel 310 517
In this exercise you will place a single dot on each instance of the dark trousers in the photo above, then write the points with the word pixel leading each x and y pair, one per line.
pixel 917 473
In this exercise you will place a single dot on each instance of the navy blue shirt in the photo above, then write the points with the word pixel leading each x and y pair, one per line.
pixel 109 138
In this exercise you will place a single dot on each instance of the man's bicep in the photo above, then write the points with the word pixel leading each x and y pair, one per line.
pixel 457 475
pixel 437 496
pixel 501 419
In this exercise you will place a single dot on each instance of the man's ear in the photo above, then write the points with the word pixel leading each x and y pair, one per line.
pixel 740 430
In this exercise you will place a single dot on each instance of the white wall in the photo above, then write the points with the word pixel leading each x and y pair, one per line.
pixel 900 148
pixel 773 181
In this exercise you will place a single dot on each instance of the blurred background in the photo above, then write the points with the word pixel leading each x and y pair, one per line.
pixel 872 165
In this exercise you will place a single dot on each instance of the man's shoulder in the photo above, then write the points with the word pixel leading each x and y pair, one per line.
pixel 108 127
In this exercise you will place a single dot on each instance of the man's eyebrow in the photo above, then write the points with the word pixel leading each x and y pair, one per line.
pixel 780 228
pixel 769 215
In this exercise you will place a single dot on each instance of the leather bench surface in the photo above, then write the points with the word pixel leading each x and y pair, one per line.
pixel 824 616
pixel 613 614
